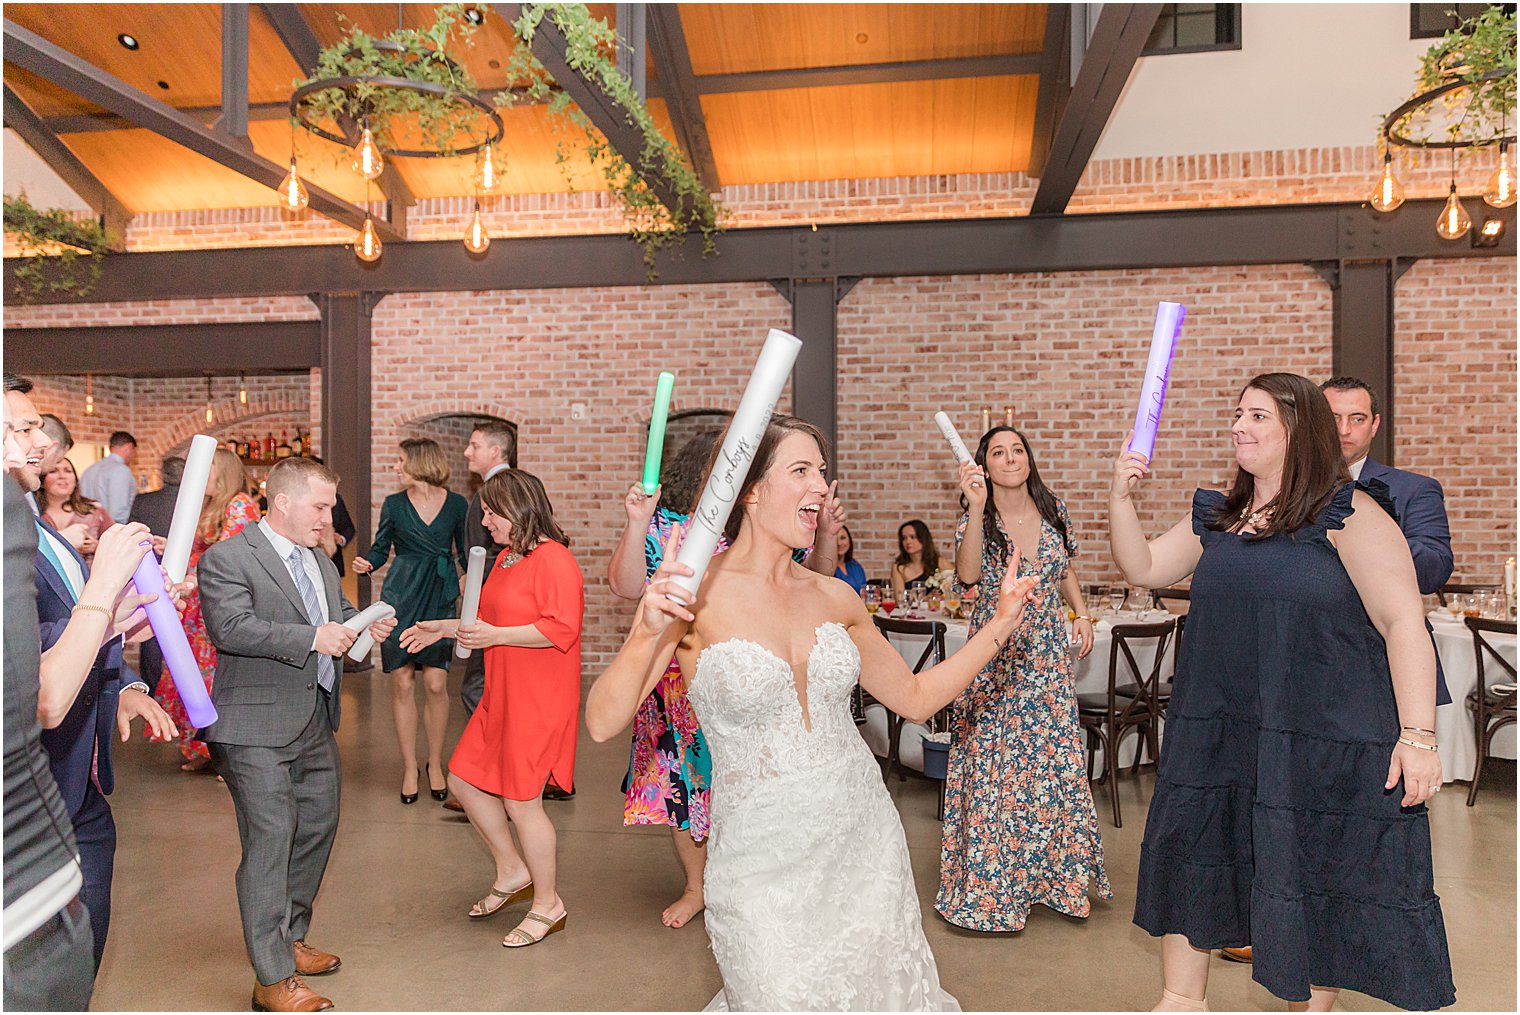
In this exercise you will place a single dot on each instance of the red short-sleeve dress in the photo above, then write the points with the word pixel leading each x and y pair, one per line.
pixel 523 731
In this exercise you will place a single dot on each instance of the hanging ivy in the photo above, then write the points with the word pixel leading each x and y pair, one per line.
pixel 60 256
pixel 1476 48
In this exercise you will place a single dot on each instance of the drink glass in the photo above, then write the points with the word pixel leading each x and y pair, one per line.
pixel 1470 606
pixel 872 596
pixel 888 601
pixel 952 603
pixel 1116 595
pixel 1140 599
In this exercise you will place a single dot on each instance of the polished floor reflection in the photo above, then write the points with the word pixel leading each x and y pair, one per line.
pixel 402 878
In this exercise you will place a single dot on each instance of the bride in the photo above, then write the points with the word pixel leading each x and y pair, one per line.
pixel 810 896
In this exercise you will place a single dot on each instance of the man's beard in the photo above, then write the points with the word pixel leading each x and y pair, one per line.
pixel 29 480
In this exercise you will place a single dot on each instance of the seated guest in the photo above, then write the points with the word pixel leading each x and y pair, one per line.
pixel 110 480
pixel 77 519
pixel 917 558
pixel 849 569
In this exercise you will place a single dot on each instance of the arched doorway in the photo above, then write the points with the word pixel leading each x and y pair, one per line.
pixel 452 432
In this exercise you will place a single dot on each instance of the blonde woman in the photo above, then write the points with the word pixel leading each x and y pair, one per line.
pixel 424 521
pixel 227 510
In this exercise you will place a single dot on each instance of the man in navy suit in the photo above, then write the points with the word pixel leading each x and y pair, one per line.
pixel 78 711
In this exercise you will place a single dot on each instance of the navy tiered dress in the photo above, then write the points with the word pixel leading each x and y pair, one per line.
pixel 1270 826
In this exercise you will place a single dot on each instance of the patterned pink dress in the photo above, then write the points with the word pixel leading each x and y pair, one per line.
pixel 241 511
pixel 1020 828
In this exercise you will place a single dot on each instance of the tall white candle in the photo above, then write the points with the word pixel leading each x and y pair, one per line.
pixel 737 454
pixel 187 506
pixel 360 622
pixel 469 611
pixel 1509 584
pixel 953 436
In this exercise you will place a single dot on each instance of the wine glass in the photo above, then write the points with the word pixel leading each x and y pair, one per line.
pixel 952 603
pixel 1140 599
pixel 872 595
pixel 1116 596
pixel 888 601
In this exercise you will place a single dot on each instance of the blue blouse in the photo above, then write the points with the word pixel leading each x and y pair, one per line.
pixel 852 573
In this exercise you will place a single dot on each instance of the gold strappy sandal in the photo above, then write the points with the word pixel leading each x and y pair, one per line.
pixel 524 937
pixel 482 909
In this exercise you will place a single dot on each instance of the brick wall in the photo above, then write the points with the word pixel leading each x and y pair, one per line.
pixel 1454 345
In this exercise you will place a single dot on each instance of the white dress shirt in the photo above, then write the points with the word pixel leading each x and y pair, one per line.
pixel 282 547
pixel 497 468
pixel 1356 467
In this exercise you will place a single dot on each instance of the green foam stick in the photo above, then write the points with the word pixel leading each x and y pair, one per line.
pixel 657 431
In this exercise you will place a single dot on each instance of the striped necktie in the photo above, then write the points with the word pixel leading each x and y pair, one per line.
pixel 313 613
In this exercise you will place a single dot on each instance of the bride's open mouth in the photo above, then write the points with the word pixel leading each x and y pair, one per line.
pixel 809 515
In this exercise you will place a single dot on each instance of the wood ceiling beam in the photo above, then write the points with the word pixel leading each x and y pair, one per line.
pixel 1109 58
pixel 550 47
pixel 672 61
pixel 113 214
pixel 868 74
pixel 33 53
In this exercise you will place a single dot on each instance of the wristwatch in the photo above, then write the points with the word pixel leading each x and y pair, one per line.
pixel 138 685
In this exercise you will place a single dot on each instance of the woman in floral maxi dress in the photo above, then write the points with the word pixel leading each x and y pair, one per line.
pixel 1020 828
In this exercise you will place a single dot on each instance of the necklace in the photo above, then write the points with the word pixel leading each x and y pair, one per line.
pixel 1258 519
pixel 512 557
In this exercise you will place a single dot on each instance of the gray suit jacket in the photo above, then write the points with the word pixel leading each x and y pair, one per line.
pixel 265 687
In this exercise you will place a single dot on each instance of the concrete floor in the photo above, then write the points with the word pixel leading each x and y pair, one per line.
pixel 402 878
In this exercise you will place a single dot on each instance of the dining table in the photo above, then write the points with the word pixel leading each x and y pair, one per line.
pixel 1456 733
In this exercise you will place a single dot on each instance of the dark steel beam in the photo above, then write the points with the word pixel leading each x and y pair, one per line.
pixel 1055 84
pixel 867 74
pixel 295 32
pixel 672 60
pixel 1362 336
pixel 1282 234
pixel 814 320
pixel 234 119
pixel 550 47
pixel 345 329
pixel 33 53
pixel 632 23
pixel 113 214
pixel 1110 56
pixel 165 350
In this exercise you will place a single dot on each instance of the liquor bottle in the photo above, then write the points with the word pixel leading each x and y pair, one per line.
pixel 269 446
pixel 283 449
pixel 255 449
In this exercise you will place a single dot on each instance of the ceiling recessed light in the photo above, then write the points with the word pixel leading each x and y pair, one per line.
pixel 494 64
pixel 129 41
pixel 474 17
pixel 164 85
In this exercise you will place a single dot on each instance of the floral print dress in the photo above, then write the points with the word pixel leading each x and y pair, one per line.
pixel 1020 827
pixel 241 512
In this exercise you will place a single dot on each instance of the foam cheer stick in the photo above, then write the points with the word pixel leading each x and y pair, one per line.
pixel 657 418
pixel 474 575
pixel 360 622
pixel 740 442
pixel 953 436
pixel 1157 367
pixel 170 632
pixel 187 506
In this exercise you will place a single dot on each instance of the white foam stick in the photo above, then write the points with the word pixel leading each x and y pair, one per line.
pixel 469 610
pixel 953 436
pixel 187 506
pixel 739 445
pixel 360 622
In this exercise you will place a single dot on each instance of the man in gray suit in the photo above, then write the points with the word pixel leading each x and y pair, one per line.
pixel 273 608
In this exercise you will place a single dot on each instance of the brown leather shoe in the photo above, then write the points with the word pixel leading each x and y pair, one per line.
pixel 310 962
pixel 1236 954
pixel 290 994
pixel 453 804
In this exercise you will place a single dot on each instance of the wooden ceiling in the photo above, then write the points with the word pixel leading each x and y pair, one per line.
pixel 771 128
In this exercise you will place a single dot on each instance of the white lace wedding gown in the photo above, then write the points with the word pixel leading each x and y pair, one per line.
pixel 810 897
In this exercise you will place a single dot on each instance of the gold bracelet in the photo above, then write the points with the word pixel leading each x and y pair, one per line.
pixel 1090 620
pixel 1416 743
pixel 109 614
pixel 1416 729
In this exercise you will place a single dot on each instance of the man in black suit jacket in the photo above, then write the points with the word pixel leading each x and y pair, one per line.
pixel 156 511
pixel 80 706
pixel 492 448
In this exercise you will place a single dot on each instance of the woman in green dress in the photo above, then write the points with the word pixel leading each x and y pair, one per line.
pixel 424 521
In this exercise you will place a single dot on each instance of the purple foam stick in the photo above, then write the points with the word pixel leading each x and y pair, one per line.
pixel 164 620
pixel 1153 392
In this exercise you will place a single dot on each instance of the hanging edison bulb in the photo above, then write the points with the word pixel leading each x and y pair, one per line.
pixel 89 395
pixel 209 416
pixel 242 390
pixel 476 239
pixel 1389 193
pixel 1454 221
pixel 367 161
pixel 367 243
pixel 293 195
pixel 487 175
pixel 1500 190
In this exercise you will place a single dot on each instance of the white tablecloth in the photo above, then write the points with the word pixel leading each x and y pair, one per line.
pixel 1091 677
pixel 1455 733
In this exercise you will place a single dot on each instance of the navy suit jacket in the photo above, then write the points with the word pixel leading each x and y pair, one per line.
pixel 91 720
pixel 1421 514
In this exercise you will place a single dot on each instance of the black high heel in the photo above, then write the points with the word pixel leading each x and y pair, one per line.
pixel 410 798
pixel 438 794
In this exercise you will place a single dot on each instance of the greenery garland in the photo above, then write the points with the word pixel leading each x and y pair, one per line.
pixel 439 120
pixel 1475 48
pixel 60 255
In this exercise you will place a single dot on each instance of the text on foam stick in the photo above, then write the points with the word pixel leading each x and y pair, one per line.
pixel 953 436
pixel 1158 367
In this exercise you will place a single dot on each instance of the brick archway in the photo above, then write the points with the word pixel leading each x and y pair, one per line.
pixel 228 414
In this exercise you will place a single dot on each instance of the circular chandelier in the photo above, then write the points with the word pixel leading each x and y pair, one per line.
pixel 424 107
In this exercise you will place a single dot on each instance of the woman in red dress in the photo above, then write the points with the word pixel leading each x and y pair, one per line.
pixel 523 732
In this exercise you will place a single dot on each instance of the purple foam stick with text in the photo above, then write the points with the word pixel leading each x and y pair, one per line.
pixel 170 632
pixel 1157 366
